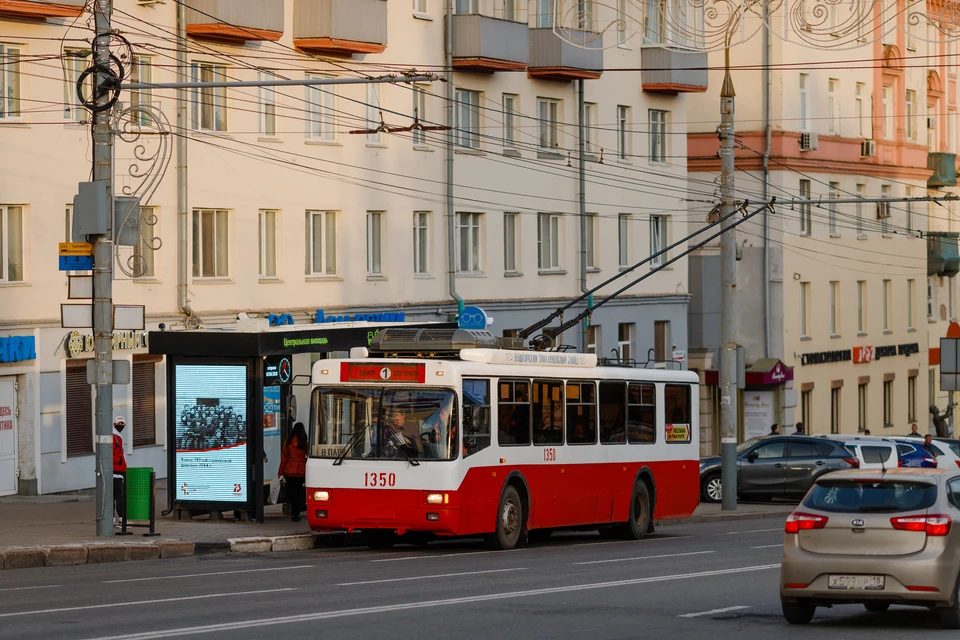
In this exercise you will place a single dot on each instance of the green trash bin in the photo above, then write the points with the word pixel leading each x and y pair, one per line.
pixel 138 493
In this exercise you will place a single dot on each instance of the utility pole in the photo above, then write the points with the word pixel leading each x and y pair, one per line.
pixel 582 193
pixel 728 299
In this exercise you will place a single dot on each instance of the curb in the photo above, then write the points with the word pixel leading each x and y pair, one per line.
pixel 726 517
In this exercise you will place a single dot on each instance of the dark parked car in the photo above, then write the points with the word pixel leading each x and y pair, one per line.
pixel 776 466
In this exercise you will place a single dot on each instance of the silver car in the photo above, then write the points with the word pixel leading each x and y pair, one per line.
pixel 875 538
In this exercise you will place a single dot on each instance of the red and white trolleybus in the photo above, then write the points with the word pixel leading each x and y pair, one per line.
pixel 468 438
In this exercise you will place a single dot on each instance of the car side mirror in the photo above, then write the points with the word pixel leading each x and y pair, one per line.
pixel 753 455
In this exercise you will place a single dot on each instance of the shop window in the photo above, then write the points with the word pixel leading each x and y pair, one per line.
pixel 145 400
pixel 79 411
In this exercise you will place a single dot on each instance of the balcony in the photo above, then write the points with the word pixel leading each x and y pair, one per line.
pixel 943 258
pixel 673 71
pixel 235 20
pixel 944 167
pixel 554 58
pixel 340 27
pixel 41 9
pixel 481 43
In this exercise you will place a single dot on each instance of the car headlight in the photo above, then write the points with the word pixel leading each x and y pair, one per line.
pixel 434 498
pixel 321 496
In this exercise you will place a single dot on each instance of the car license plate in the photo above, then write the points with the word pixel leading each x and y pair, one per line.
pixel 856 583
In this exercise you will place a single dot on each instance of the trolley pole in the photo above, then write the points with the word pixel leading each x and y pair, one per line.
pixel 728 297
pixel 103 275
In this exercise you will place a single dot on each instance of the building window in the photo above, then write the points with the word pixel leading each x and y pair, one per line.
pixel 658 239
pixel 912 399
pixel 548 241
pixel 932 130
pixel 467 125
pixel 145 253
pixel 9 81
pixel 861 190
pixel 931 300
pixel 145 400
pixel 834 410
pixel 952 131
pixel 911 115
pixel 419 6
pixel 887 110
pixel 11 244
pixel 545 13
pixel 268 105
pixel 464 7
pixel 858 108
pixel 374 243
pixel 911 302
pixel 74 64
pixel 321 101
pixel 804 107
pixel 833 194
pixel 884 208
pixel 805 219
pixel 908 205
pixel 658 135
pixel 593 339
pixel 622 22
pixel 833 105
pixel 321 235
pixel 586 13
pixel 806 410
pixel 589 125
pixel 862 407
pixel 210 243
pixel 78 410
pixel 951 311
pixel 511 117
pixel 861 306
pixel 510 232
pixel 468 243
pixel 625 332
pixel 592 240
pixel 142 71
pixel 419 113
pixel 623 239
pixel 374 114
pixel 888 403
pixel 805 315
pixel 509 9
pixel 549 117
pixel 209 111
pixel 834 308
pixel 653 22
pixel 267 229
pixel 662 338
pixel 887 304
pixel 421 242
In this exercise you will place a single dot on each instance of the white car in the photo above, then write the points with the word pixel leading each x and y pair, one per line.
pixel 872 452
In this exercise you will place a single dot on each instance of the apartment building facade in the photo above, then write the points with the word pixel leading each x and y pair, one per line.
pixel 330 197
pixel 851 296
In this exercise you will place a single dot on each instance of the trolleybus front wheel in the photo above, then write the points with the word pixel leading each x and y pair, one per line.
pixel 510 522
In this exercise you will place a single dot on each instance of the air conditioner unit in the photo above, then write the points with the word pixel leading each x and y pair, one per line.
pixel 868 148
pixel 931 122
pixel 808 142
pixel 883 210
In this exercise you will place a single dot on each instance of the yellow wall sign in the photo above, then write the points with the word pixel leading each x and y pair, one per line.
pixel 678 432
pixel 76 249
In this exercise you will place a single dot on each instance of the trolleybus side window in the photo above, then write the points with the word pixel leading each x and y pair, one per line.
pixel 513 418
pixel 676 400
pixel 613 412
pixel 547 412
pixel 641 413
pixel 476 416
pixel 581 413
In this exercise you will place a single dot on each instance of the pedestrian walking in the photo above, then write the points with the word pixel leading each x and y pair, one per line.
pixel 119 472
pixel 293 468
pixel 914 432
pixel 799 431
pixel 774 429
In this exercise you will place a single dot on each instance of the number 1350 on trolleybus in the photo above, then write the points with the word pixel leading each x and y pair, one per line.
pixel 444 432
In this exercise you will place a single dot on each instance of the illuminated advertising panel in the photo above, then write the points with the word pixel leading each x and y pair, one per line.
pixel 211 429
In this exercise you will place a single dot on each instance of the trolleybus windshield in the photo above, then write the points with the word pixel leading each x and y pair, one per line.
pixel 384 423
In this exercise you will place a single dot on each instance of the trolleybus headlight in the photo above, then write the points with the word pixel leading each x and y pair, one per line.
pixel 321 496
pixel 434 498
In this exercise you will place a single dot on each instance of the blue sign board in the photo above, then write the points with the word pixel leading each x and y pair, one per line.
pixel 389 316
pixel 18 349
pixel 473 318
pixel 76 263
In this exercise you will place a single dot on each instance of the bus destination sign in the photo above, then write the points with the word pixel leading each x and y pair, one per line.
pixel 678 432
pixel 383 372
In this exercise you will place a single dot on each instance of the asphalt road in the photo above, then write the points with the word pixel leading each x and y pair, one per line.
pixel 688 581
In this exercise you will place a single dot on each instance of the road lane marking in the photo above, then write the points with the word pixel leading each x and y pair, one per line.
pixel 736 533
pixel 46 586
pixel 711 612
pixel 440 575
pixel 407 606
pixel 139 602
pixel 668 555
pixel 214 573
pixel 768 546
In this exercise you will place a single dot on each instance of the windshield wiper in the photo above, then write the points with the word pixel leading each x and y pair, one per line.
pixel 399 439
pixel 354 438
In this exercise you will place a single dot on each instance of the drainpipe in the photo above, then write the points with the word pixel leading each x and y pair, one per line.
pixel 183 126
pixel 582 188
pixel 448 109
pixel 767 79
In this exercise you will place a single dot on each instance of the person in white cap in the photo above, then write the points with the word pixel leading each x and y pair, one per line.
pixel 119 470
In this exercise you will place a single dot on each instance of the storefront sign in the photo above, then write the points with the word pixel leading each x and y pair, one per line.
pixel 757 413
pixel 860 355
pixel 79 344
pixel 17 349
pixel 387 316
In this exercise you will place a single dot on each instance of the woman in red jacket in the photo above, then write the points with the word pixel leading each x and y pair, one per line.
pixel 293 468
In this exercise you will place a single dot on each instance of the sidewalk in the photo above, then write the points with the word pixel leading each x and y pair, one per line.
pixel 61 530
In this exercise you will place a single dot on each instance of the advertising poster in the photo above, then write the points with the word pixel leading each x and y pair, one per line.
pixel 211 415
pixel 271 432
pixel 757 413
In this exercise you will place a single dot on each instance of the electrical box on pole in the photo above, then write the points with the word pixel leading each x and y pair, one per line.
pixel 741 368
pixel 89 211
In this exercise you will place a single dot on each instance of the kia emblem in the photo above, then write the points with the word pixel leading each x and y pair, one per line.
pixel 856 522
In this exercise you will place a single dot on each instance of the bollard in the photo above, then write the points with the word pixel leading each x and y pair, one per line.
pixel 153 506
pixel 123 500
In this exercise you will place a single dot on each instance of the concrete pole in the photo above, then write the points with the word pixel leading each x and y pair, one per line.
pixel 448 155
pixel 728 299
pixel 582 191
pixel 183 127
pixel 103 279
